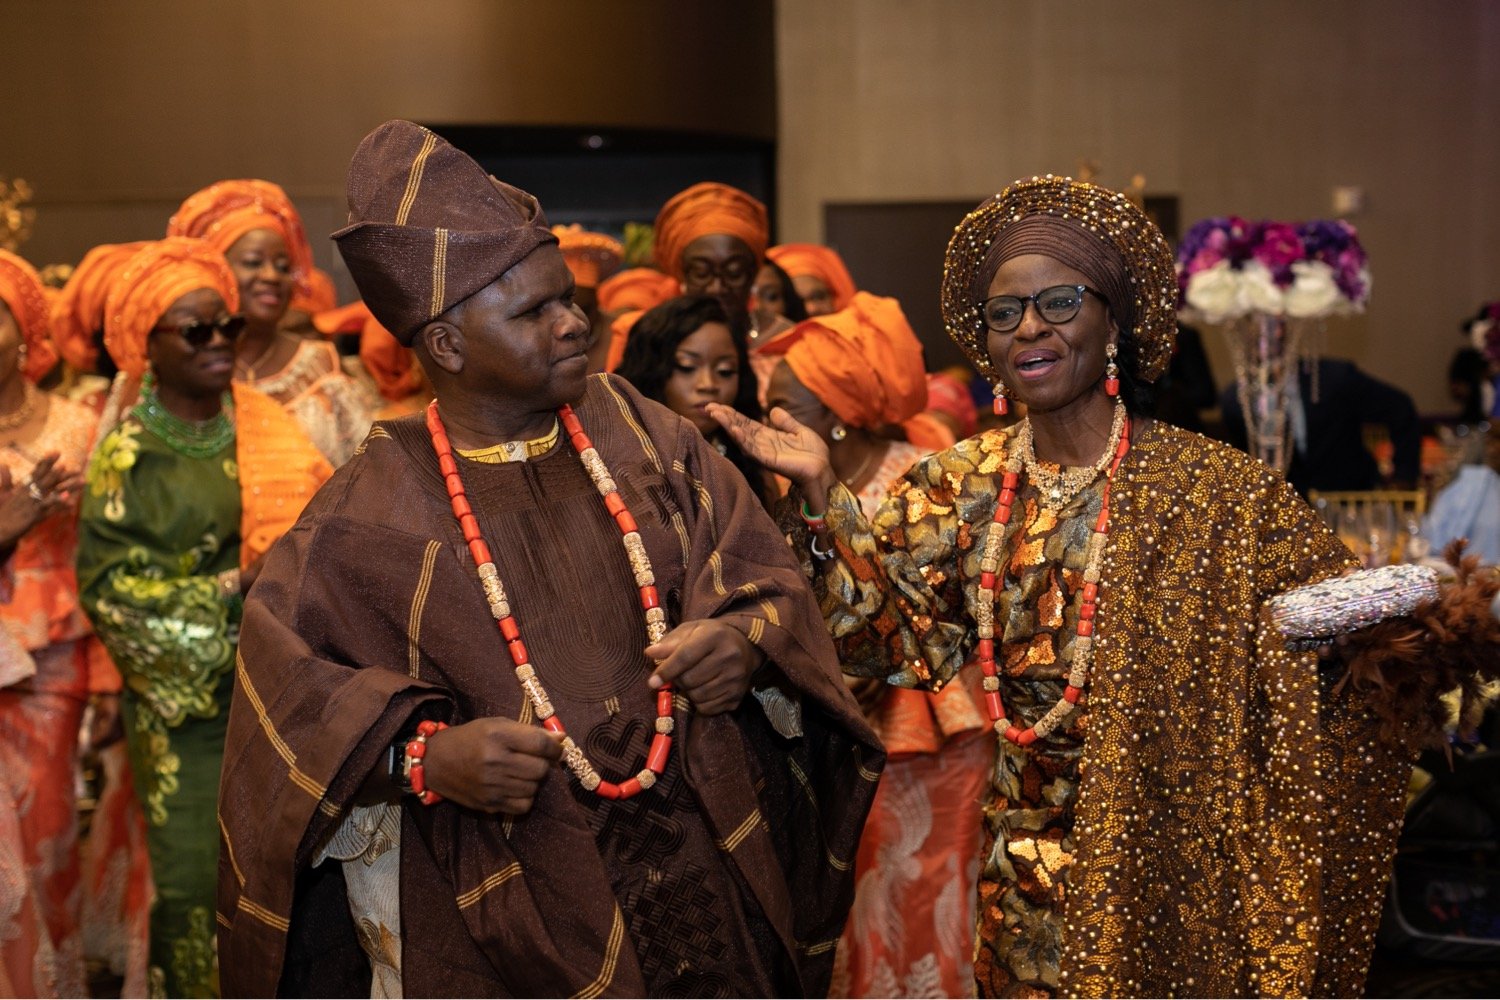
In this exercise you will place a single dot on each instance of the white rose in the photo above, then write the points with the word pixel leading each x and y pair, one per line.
pixel 1214 292
pixel 1259 292
pixel 1313 292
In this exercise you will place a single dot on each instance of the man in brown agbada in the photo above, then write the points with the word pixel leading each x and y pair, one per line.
pixel 370 617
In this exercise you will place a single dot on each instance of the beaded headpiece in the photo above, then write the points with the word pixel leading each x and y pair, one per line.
pixel 1096 213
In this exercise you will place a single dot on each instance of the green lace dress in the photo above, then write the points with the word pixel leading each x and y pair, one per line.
pixel 156 526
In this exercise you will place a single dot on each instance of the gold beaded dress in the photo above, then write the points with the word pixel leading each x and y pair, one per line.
pixel 1213 820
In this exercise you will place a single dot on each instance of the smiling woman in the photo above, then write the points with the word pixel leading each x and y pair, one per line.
pixel 1167 772
pixel 177 512
pixel 257 228
pixel 689 352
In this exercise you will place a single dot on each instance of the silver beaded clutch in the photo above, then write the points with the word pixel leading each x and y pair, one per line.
pixel 1314 615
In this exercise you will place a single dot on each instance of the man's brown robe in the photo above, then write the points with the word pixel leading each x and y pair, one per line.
pixel 731 875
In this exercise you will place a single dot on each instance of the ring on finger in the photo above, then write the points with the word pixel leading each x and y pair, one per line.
pixel 35 492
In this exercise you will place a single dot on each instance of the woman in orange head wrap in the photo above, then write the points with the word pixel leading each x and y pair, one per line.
pixel 183 498
pixel 819 275
pixel 78 311
pixel 391 367
pixel 45 678
pixel 855 377
pixel 257 228
pixel 712 238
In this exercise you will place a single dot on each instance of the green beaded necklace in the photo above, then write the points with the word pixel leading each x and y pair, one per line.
pixel 195 439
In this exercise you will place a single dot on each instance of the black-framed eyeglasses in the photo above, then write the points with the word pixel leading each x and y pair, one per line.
pixel 732 271
pixel 199 332
pixel 1057 304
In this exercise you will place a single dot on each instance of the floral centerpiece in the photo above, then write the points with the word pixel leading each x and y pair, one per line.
pixel 1271 285
pixel 1228 267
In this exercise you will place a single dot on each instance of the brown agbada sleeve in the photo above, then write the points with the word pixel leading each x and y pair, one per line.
pixel 370 612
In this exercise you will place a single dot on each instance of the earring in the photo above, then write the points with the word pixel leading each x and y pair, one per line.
pixel 1002 402
pixel 838 433
pixel 1111 372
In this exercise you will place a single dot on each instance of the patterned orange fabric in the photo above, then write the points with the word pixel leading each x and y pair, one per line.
pixel 392 366
pixel 947 393
pixel 42 607
pixel 620 326
pixel 21 290
pixel 591 257
pixel 78 311
pixel 928 432
pixel 319 294
pixel 863 362
pixel 705 209
pixel 159 274
pixel 813 261
pixel 280 470
pixel 221 213
pixel 639 288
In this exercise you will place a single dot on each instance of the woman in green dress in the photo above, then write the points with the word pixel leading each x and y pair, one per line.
pixel 163 563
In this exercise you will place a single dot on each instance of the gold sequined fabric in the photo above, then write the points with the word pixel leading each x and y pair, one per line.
pixel 1235 818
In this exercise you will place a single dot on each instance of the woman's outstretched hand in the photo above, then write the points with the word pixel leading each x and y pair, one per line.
pixel 785 447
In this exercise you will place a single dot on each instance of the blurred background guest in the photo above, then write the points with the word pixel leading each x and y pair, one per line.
pixel 819 275
pixel 257 228
pixel 621 301
pixel 78 322
pixel 689 352
pixel 45 680
pixel 1332 405
pixel 773 298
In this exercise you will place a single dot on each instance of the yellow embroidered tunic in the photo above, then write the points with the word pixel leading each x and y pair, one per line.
pixel 1232 822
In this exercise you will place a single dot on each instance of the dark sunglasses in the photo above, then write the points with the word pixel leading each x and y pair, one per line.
pixel 198 333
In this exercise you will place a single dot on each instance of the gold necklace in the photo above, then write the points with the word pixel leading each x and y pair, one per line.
pixel 864 464
pixel 514 451
pixel 250 374
pixel 22 413
pixel 1058 485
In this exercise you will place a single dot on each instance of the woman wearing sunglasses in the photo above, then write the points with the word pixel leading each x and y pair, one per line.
pixel 182 500
pixel 1179 804
pixel 257 229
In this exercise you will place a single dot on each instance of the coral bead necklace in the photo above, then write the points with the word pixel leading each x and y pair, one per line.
pixel 1023 458
pixel 489 577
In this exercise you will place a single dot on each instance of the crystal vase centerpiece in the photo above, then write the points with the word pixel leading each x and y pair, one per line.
pixel 1270 286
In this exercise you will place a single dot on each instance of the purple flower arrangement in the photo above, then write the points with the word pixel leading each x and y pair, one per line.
pixel 1228 267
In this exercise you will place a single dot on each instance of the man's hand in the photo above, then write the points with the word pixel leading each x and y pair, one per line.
pixel 709 661
pixel 492 765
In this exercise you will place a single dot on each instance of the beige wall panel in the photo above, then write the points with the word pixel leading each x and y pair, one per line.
pixel 1258 108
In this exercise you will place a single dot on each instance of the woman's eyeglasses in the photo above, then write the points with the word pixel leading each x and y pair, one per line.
pixel 1057 304
pixel 199 332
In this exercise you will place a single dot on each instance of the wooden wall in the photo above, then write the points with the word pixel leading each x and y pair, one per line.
pixel 1253 107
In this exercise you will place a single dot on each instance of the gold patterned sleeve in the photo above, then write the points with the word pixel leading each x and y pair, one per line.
pixel 893 594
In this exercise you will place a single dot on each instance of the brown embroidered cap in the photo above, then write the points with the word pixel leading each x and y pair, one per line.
pixel 428 227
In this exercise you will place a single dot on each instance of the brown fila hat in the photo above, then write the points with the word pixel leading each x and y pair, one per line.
pixel 428 227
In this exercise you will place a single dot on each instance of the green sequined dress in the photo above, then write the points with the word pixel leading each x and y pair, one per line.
pixel 156 526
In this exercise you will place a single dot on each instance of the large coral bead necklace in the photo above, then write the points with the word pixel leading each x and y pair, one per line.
pixel 989 567
pixel 489 577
